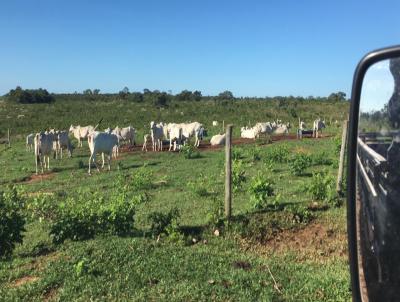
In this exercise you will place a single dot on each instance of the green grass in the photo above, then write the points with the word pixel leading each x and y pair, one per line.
pixel 234 266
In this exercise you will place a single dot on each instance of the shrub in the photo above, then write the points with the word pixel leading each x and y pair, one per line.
pixel 238 175
pixel 299 163
pixel 141 179
pixel 300 214
pixel 200 186
pixel 254 154
pixel 190 152
pixel 237 154
pixel 321 158
pixel 337 140
pixel 161 222
pixel 215 217
pixel 42 207
pixel 278 154
pixel 85 216
pixel 321 186
pixel 12 221
pixel 261 190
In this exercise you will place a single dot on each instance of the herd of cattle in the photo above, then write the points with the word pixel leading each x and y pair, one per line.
pixel 55 142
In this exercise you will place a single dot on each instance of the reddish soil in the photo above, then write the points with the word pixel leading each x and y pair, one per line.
pixel 316 241
pixel 207 146
pixel 39 177
pixel 24 280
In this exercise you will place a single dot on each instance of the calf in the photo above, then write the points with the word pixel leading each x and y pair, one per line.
pixel 29 142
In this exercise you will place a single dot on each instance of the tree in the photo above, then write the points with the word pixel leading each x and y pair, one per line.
pixel 185 95
pixel 28 96
pixel 197 95
pixel 161 99
pixel 337 97
pixel 226 95
pixel 87 92
pixel 123 94
pixel 96 91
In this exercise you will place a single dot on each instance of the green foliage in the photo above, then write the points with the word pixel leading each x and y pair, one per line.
pixel 321 158
pixel 142 179
pixel 299 163
pixel 255 153
pixel 26 96
pixel 215 217
pixel 87 215
pixel 42 207
pixel 190 152
pixel 279 154
pixel 12 222
pixel 200 186
pixel 238 175
pixel 321 186
pixel 237 154
pixel 337 140
pixel 163 223
pixel 261 191
pixel 300 214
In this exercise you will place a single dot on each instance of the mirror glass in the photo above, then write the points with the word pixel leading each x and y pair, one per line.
pixel 378 182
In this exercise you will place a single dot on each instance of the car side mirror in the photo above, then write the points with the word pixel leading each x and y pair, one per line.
pixel 373 187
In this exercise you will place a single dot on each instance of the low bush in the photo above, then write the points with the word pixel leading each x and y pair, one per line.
pixel 279 154
pixel 300 214
pixel 261 191
pixel 254 153
pixel 237 154
pixel 166 224
pixel 321 186
pixel 42 207
pixel 12 221
pixel 321 158
pixel 238 175
pixel 141 179
pixel 299 163
pixel 87 215
pixel 190 152
pixel 215 217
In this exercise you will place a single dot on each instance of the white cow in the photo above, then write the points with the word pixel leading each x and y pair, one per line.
pixel 195 130
pixel 63 143
pixel 264 128
pixel 157 134
pixel 146 139
pixel 80 133
pixel 29 141
pixel 175 134
pixel 43 142
pixel 281 129
pixel 302 125
pixel 101 142
pixel 126 134
pixel 317 127
pixel 218 140
pixel 249 132
pixel 215 123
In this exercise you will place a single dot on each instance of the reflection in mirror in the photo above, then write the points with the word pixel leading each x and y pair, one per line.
pixel 378 182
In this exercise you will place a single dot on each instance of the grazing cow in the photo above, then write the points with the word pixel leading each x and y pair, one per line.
pixel 43 148
pixel 281 129
pixel 302 125
pixel 215 123
pixel 63 143
pixel 218 140
pixel 175 134
pixel 194 129
pixel 126 134
pixel 29 142
pixel 249 132
pixel 80 133
pixel 317 127
pixel 157 134
pixel 263 128
pixel 101 142
pixel 146 139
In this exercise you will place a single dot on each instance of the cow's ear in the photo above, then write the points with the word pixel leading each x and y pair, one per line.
pixel 373 177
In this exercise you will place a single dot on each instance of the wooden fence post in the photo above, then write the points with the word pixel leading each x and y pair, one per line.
pixel 8 138
pixel 228 171
pixel 223 125
pixel 341 160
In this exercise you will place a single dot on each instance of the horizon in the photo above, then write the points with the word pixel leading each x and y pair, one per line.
pixel 252 49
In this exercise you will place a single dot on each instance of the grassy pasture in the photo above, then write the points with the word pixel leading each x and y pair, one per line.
pixel 308 261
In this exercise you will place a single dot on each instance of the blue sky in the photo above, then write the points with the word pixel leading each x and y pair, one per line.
pixel 253 48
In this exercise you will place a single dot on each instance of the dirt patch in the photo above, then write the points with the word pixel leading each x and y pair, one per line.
pixel 316 242
pixel 50 294
pixel 39 177
pixel 206 146
pixel 24 280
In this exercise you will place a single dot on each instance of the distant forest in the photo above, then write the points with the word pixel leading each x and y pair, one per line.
pixel 158 98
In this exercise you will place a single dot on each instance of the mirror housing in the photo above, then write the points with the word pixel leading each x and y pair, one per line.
pixel 366 62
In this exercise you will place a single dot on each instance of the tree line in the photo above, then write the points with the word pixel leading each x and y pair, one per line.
pixel 158 98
